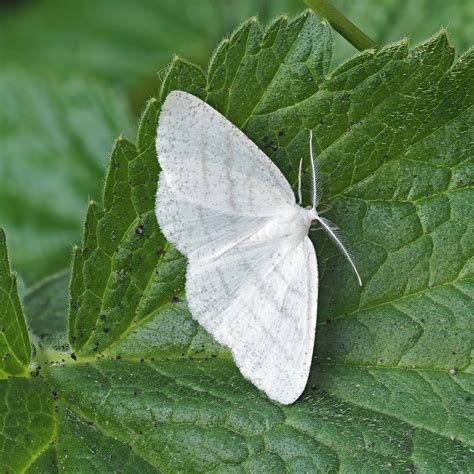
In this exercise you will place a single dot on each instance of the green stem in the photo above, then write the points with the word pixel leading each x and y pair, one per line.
pixel 341 24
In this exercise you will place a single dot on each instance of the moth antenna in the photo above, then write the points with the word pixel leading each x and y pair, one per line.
pixel 300 199
pixel 333 232
pixel 315 174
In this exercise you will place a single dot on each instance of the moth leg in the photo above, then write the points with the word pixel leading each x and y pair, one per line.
pixel 333 232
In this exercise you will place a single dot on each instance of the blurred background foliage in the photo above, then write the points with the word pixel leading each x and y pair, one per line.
pixel 76 73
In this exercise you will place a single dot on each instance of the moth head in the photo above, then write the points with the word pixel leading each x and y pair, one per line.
pixel 313 213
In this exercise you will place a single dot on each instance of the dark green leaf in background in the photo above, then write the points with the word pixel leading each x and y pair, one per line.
pixel 391 20
pixel 55 138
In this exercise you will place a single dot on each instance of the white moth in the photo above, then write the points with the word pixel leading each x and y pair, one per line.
pixel 252 277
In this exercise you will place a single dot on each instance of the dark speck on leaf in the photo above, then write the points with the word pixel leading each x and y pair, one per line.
pixel 175 299
pixel 281 133
pixel 345 96
pixel 106 330
pixel 160 252
pixel 139 230
pixel 73 356
pixel 118 357
pixel 268 143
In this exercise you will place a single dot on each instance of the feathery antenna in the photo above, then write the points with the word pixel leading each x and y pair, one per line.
pixel 315 174
pixel 313 170
pixel 328 226
pixel 333 232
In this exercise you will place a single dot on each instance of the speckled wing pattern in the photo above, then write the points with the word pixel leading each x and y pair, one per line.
pixel 258 297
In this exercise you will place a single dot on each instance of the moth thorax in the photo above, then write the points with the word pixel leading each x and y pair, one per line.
pixel 293 221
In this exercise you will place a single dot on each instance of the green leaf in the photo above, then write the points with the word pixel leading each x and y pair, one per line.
pixel 54 141
pixel 15 349
pixel 392 385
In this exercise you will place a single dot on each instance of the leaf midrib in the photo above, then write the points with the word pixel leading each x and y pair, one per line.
pixel 63 359
pixel 287 418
